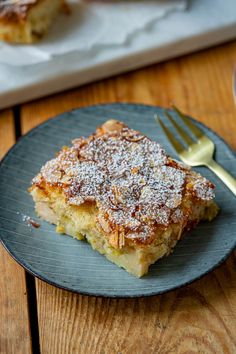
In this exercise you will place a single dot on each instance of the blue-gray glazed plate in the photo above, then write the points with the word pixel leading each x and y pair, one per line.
pixel 73 265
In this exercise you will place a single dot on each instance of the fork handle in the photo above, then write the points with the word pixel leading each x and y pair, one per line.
pixel 227 178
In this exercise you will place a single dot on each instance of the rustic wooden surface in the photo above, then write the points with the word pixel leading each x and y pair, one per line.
pixel 14 322
pixel 200 318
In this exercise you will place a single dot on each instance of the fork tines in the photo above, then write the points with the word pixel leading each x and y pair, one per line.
pixel 196 132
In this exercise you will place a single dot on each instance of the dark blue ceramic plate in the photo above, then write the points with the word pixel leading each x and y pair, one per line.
pixel 67 263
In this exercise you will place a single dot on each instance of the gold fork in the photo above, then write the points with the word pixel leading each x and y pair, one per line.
pixel 199 152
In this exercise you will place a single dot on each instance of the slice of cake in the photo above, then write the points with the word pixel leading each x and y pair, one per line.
pixel 26 21
pixel 121 192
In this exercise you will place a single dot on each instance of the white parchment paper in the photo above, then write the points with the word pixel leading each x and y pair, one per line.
pixel 91 25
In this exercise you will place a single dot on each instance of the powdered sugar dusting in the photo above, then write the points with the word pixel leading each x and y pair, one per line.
pixel 177 215
pixel 127 175
pixel 203 189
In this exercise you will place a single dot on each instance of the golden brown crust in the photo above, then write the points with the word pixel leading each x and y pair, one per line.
pixel 16 11
pixel 109 126
pixel 137 189
pixel 26 21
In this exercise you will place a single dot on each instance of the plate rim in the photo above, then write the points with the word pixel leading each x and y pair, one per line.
pixel 101 293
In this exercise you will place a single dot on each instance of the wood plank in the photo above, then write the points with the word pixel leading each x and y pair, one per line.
pixel 7 137
pixel 200 318
pixel 14 320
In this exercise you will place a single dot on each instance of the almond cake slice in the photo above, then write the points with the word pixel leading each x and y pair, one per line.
pixel 26 21
pixel 121 192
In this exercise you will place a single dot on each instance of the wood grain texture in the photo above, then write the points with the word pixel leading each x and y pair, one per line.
pixel 7 137
pixel 14 323
pixel 200 318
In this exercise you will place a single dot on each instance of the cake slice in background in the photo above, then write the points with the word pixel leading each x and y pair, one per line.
pixel 26 21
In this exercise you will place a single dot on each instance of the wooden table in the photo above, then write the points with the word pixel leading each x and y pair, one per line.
pixel 200 318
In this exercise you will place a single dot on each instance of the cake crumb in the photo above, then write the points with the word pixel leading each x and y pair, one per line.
pixel 29 221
